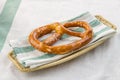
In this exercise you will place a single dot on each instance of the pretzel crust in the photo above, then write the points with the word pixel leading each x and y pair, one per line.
pixel 60 29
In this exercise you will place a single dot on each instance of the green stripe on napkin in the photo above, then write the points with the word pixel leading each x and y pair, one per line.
pixel 23 49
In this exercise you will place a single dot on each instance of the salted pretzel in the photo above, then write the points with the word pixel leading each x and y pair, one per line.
pixel 60 29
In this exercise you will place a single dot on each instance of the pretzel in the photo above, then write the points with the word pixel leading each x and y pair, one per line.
pixel 46 45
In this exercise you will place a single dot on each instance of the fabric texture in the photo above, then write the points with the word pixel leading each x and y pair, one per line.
pixel 19 17
pixel 30 57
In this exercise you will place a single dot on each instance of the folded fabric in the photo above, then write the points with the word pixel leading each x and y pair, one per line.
pixel 30 57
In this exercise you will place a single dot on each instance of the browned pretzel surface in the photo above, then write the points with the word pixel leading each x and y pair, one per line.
pixel 60 29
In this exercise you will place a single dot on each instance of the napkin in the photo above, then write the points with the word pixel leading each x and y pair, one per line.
pixel 28 56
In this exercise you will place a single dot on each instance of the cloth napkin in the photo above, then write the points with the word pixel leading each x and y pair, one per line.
pixel 30 57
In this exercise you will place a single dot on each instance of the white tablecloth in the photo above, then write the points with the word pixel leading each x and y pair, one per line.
pixel 102 63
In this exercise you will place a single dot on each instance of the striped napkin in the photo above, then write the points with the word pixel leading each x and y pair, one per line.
pixel 30 57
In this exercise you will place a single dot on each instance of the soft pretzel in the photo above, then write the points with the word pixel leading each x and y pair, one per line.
pixel 60 29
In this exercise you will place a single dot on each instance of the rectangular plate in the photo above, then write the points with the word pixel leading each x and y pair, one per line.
pixel 70 57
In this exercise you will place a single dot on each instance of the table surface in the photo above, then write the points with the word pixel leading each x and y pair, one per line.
pixel 102 63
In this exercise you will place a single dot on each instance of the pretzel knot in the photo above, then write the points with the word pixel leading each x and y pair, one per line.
pixel 60 29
